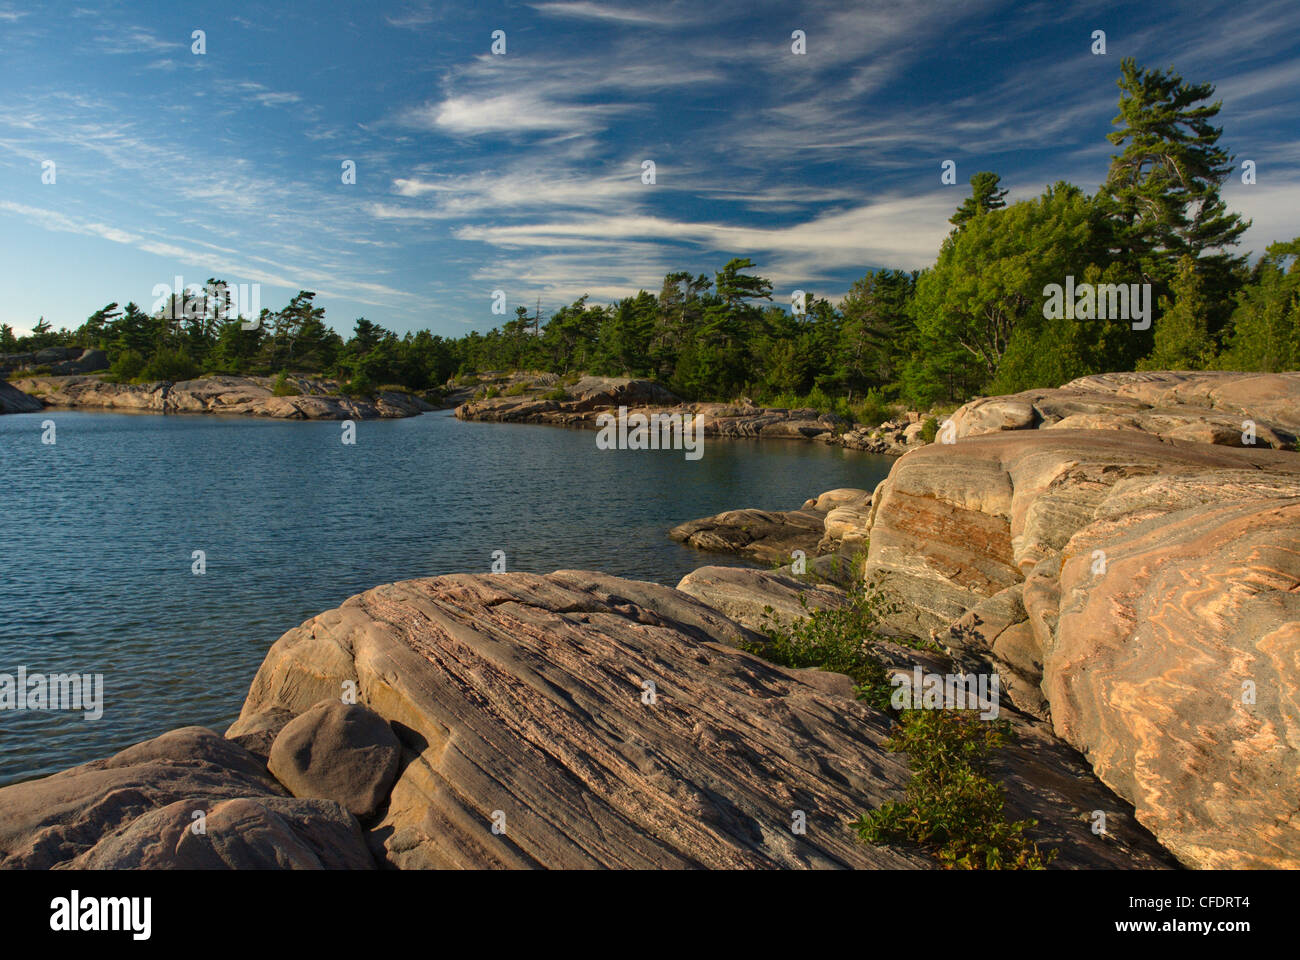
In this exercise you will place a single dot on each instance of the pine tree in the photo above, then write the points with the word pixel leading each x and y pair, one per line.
pixel 985 196
pixel 1163 189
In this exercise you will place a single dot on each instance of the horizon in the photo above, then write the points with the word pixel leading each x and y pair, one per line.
pixel 524 171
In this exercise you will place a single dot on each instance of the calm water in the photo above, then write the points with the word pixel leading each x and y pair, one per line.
pixel 97 533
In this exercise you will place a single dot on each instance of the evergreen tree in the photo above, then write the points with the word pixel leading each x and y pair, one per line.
pixel 1163 188
pixel 985 196
pixel 1182 337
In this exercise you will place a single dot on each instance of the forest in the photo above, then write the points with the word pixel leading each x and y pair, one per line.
pixel 974 323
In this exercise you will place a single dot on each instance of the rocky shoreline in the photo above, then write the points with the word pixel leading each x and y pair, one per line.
pixel 316 399
pixel 1138 592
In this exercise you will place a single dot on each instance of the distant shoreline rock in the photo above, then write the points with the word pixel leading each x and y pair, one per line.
pixel 236 396
pixel 590 397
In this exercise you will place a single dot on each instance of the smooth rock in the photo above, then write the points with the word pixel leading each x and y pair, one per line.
pixel 337 751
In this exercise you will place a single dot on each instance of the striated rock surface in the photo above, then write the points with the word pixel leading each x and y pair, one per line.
pixel 1133 589
pixel 13 400
pixel 1206 406
pixel 521 701
pixel 246 396
pixel 135 809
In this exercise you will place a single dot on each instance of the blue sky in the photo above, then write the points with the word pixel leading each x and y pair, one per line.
pixel 522 172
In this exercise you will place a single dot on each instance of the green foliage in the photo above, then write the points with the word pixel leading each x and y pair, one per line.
pixel 972 324
pixel 951 806
pixel 986 195
pixel 170 363
pixel 1182 337
pixel 128 365
pixel 518 389
pixel 1162 190
pixel 359 385
pixel 1265 327
pixel 283 388
pixel 559 393
pixel 929 429
pixel 838 640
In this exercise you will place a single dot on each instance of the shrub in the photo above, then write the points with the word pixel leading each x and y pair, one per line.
pixel 929 430
pixel 125 367
pixel 170 363
pixel 492 391
pixel 872 409
pixel 834 640
pixel 518 389
pixel 559 393
pixel 358 385
pixel 283 388
pixel 950 805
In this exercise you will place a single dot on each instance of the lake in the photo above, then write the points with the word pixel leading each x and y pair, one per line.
pixel 98 532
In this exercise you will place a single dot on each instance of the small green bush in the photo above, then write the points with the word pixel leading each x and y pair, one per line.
pixel 283 388
pixel 872 409
pixel 171 364
pixel 929 430
pixel 559 393
pixel 359 385
pixel 492 391
pixel 950 805
pixel 126 366
pixel 518 389
pixel 838 640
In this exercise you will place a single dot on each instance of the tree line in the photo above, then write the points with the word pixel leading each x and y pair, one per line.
pixel 972 324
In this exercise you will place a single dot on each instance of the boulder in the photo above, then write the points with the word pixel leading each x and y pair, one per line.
pixel 256 733
pixel 134 810
pixel 88 361
pixel 248 833
pixel 753 597
pixel 769 536
pixel 338 751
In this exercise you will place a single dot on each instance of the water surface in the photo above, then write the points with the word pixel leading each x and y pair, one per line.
pixel 97 534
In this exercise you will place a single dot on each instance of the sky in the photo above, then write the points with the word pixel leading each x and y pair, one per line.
pixel 523 171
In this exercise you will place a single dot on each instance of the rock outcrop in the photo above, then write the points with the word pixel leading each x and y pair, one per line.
pixel 832 524
pixel 244 396
pixel 60 360
pixel 590 397
pixel 13 400
pixel 533 737
pixel 1142 592
pixel 767 536
pixel 1206 406
pixel 188 799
